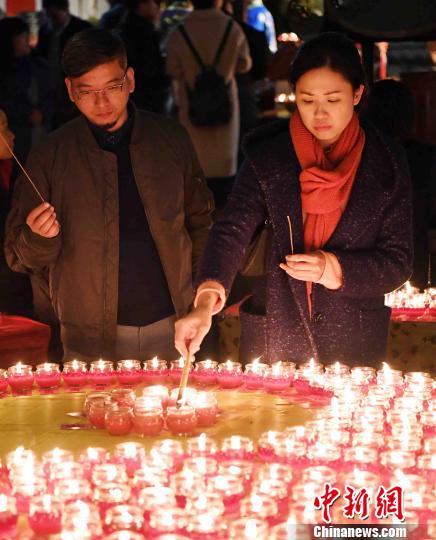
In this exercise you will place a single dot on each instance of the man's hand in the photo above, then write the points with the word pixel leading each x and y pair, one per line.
pixel 305 266
pixel 191 330
pixel 42 220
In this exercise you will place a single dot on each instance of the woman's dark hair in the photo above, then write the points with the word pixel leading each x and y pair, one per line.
pixel 10 27
pixel 91 48
pixel 390 106
pixel 333 50
pixel 203 4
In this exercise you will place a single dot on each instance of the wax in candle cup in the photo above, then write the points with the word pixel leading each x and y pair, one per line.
pixel 239 469
pixel 121 396
pixel 319 474
pixel 236 447
pixel 259 506
pixel 118 420
pixel 230 374
pixel 278 377
pixel 91 397
pixel 129 454
pixel 45 515
pixel 57 455
pixel 428 421
pixel 129 372
pixel 97 412
pixel 337 369
pixel 207 502
pixel 24 488
pixel 109 473
pixel 206 409
pixel 20 378
pixel 157 391
pixel 124 517
pixel 176 369
pixel 205 372
pixel 153 497
pixel 148 402
pixel 253 374
pixel 75 374
pixel 8 514
pixel 293 452
pixel 181 420
pixel 247 529
pixel 148 421
pixel 111 494
pixel 48 376
pixel 168 519
pixel 201 446
pixel 3 381
pixel 101 373
pixel 155 371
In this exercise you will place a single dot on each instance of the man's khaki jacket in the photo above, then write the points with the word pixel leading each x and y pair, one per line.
pixel 80 180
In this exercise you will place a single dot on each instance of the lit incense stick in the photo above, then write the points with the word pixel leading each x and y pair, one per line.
pixel 22 168
pixel 291 235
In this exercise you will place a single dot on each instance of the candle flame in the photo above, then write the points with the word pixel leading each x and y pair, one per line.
pixel 154 362
pixel 208 364
pixel 75 365
pixel 46 503
pixel 19 368
pixel 3 503
pixel 228 364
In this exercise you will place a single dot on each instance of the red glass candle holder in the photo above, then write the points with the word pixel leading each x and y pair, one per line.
pixel 45 516
pixel 155 371
pixel 253 374
pixel 48 376
pixel 129 454
pixel 278 377
pixel 8 514
pixel 124 397
pixel 118 420
pixel 124 518
pixel 75 375
pixel 97 412
pixel 176 369
pixel 205 372
pixel 230 374
pixel 236 447
pixel 157 391
pixel 3 381
pixel 148 421
pixel 181 420
pixel 206 409
pixel 101 373
pixel 129 373
pixel 21 378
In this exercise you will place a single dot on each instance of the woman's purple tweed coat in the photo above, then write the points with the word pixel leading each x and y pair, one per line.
pixel 373 242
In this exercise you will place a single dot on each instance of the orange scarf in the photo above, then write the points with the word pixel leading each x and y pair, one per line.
pixel 326 180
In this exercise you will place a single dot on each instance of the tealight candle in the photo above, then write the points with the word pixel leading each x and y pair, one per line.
pixel 101 373
pixel 189 396
pixel 109 473
pixel 230 374
pixel 278 376
pixel 201 446
pixel 45 515
pixel 205 372
pixel 122 396
pixel 129 372
pixel 247 529
pixel 168 449
pixel 253 374
pixel 176 369
pixel 75 374
pixel 206 409
pixel 3 381
pixel 236 447
pixel 8 514
pixel 124 517
pixel 47 376
pixel 118 420
pixel 20 378
pixel 96 413
pixel 267 444
pixel 148 421
pixel 111 494
pixel 130 455
pixel 155 371
pixel 168 519
pixel 57 455
pixel 91 397
pixel 158 391
pixel 181 420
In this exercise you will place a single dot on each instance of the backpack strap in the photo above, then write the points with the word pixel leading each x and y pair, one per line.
pixel 191 46
pixel 222 44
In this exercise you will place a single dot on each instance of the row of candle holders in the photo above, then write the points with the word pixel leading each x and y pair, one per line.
pixel 409 297
pixel 120 411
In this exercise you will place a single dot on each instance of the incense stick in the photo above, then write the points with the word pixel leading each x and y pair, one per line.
pixel 22 168
pixel 183 380
pixel 291 236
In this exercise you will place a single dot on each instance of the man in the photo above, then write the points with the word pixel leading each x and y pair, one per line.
pixel 53 35
pixel 126 217
pixel 112 17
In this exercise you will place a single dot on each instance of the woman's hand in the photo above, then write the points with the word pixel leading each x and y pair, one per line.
pixel 191 330
pixel 305 266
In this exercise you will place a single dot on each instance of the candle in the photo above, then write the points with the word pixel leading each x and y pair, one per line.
pixel 253 374
pixel 57 455
pixel 168 449
pixel 148 421
pixel 45 515
pixel 278 377
pixel 129 372
pixel 72 489
pixel 236 447
pixel 189 396
pixel 47 376
pixel 230 488
pixel 127 535
pixel 230 374
pixel 130 455
pixel 206 409
pixel 111 494
pixel 124 517
pixel 168 519
pixel 97 411
pixel 181 420
pixel 8 514
pixel 155 371
pixel 118 420
pixel 157 391
pixel 201 446
pixel 101 373
pixel 247 529
pixel 108 473
pixel 122 396
pixel 3 381
pixel 205 372
pixel 20 378
pixel 91 397
pixel 75 374
pixel 175 371
pixel 267 444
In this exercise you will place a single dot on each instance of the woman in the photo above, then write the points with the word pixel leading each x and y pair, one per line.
pixel 24 86
pixel 346 191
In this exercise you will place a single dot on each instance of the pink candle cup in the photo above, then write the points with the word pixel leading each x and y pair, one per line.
pixel 253 375
pixel 101 373
pixel 181 420
pixel 206 409
pixel 129 373
pixel 148 421
pixel 176 369
pixel 48 376
pixel 97 412
pixel 119 420
pixel 21 378
pixel 3 381
pixel 45 515
pixel 8 514
pixel 75 374
pixel 278 377
pixel 155 371
pixel 205 372
pixel 230 374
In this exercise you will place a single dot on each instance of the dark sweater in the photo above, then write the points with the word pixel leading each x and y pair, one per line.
pixel 143 294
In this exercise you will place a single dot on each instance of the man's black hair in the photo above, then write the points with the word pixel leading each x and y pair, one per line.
pixel 60 4
pixel 203 4
pixel 91 48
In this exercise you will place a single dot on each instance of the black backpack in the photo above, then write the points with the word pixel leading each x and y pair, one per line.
pixel 209 100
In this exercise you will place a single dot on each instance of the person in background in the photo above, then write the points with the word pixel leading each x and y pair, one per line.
pixel 217 145
pixel 390 107
pixel 123 228
pixel 336 196
pixel 260 18
pixel 139 32
pixel 113 16
pixel 25 93
pixel 171 17
pixel 53 35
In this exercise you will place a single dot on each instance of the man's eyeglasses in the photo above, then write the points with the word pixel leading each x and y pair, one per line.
pixel 109 91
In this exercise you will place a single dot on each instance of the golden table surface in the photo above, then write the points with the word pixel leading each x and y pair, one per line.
pixel 38 421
